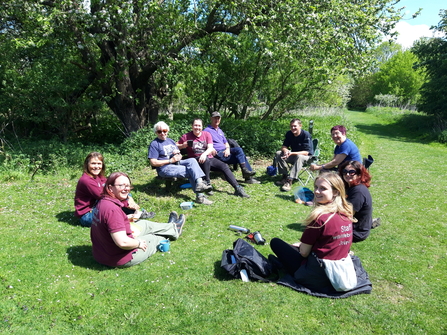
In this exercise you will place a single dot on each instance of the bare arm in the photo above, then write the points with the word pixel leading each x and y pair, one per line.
pixel 126 243
pixel 286 152
pixel 158 163
pixel 207 152
pixel 334 162
pixel 305 249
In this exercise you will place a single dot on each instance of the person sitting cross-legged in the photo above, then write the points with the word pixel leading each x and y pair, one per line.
pixel 225 153
pixel 165 156
pixel 296 148
pixel 199 145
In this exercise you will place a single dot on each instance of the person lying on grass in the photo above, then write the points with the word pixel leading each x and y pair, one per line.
pixel 328 235
pixel 113 242
pixel 89 188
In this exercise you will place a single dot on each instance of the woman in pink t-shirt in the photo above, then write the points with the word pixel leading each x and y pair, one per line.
pixel 327 235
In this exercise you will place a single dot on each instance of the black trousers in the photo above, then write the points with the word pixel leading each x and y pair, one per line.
pixel 217 165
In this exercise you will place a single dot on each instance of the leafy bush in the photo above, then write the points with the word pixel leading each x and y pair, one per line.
pixel 260 139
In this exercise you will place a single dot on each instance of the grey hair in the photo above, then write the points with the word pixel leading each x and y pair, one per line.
pixel 161 125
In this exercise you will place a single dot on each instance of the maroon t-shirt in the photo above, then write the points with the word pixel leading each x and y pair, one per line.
pixel 109 218
pixel 200 144
pixel 88 191
pixel 332 240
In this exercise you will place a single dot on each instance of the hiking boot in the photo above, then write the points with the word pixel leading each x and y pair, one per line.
pixel 287 186
pixel 241 192
pixel 146 215
pixel 210 192
pixel 180 223
pixel 280 182
pixel 247 173
pixel 202 187
pixel 173 217
pixel 251 180
pixel 375 223
pixel 204 201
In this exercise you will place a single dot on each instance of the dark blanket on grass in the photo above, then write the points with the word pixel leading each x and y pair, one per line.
pixel 364 285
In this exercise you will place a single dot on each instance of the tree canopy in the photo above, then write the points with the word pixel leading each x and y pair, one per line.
pixel 432 57
pixel 130 55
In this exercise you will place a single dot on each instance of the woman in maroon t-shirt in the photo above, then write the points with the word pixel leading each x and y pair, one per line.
pixel 328 235
pixel 89 188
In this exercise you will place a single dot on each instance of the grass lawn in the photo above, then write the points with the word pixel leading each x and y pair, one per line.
pixel 50 283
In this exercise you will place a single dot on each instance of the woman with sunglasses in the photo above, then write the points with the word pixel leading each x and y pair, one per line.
pixel 165 156
pixel 357 180
pixel 113 242
pixel 199 145
pixel 89 188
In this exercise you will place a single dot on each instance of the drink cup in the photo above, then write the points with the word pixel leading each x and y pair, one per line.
pixel 164 246
pixel 189 142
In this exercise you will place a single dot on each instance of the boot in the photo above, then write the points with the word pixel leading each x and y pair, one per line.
pixel 246 173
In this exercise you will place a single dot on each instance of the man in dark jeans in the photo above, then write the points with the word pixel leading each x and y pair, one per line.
pixel 225 153
pixel 296 148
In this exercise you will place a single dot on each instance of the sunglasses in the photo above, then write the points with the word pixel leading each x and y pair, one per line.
pixel 349 172
pixel 165 131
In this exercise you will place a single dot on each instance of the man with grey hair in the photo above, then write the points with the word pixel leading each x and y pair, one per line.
pixel 165 156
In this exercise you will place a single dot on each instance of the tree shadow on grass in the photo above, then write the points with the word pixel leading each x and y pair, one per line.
pixel 68 217
pixel 409 128
pixel 81 255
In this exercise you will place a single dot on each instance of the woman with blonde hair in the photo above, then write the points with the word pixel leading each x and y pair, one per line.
pixel 327 236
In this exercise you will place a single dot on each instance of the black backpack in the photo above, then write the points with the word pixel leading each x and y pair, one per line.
pixel 245 257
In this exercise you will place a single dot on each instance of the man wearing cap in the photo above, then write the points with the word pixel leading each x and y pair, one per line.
pixel 225 153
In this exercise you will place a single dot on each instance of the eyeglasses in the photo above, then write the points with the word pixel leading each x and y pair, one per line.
pixel 165 131
pixel 349 172
pixel 123 186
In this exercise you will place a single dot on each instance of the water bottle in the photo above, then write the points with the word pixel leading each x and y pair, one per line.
pixel 239 229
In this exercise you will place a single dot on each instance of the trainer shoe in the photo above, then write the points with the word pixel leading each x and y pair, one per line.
pixel 180 223
pixel 241 192
pixel 251 180
pixel 146 215
pixel 375 223
pixel 173 217
pixel 287 186
pixel 204 201
pixel 202 187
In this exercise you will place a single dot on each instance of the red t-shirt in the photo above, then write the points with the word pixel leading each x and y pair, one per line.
pixel 109 218
pixel 200 144
pixel 88 191
pixel 331 241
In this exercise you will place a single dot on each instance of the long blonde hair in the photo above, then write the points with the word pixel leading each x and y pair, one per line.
pixel 338 205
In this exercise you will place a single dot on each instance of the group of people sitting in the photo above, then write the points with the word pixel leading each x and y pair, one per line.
pixel 207 150
pixel 123 236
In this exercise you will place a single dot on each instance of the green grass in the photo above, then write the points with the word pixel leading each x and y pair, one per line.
pixel 50 283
